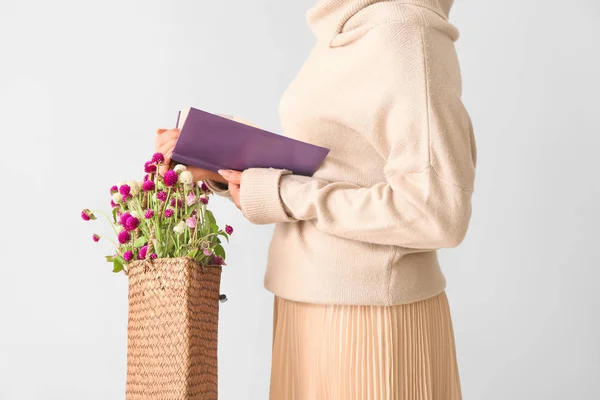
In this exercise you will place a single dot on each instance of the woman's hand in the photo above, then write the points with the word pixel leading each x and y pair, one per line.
pixel 165 142
pixel 234 179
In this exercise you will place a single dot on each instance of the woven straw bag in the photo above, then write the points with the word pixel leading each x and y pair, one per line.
pixel 172 330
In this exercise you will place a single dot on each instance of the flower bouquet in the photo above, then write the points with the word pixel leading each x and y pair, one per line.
pixel 168 244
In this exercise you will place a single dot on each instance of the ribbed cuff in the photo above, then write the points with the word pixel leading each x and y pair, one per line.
pixel 259 196
pixel 217 188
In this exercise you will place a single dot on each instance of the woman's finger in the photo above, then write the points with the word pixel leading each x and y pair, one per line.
pixel 232 176
pixel 166 136
pixel 167 146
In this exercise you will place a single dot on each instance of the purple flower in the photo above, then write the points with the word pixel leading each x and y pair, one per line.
pixel 131 223
pixel 128 255
pixel 207 252
pixel 148 186
pixel 178 202
pixel 85 215
pixel 191 199
pixel 228 229
pixel 170 178
pixel 153 256
pixel 204 200
pixel 162 195
pixel 168 213
pixel 113 204
pixel 114 189
pixel 124 237
pixel 149 214
pixel 158 158
pixel 96 238
pixel 204 187
pixel 124 190
pixel 123 218
pixel 149 167
pixel 216 260
pixel 146 177
pixel 191 222
pixel 142 252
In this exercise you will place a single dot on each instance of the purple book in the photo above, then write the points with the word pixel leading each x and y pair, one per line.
pixel 213 142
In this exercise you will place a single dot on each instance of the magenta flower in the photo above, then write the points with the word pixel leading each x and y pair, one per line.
pixel 216 260
pixel 148 186
pixel 113 204
pixel 123 218
pixel 128 255
pixel 158 158
pixel 191 199
pixel 125 190
pixel 168 213
pixel 204 200
pixel 153 256
pixel 124 237
pixel 114 189
pixel 85 215
pixel 149 167
pixel 146 177
pixel 204 187
pixel 149 214
pixel 207 252
pixel 142 252
pixel 127 197
pixel 191 222
pixel 132 223
pixel 170 178
pixel 96 238
pixel 178 202
pixel 162 195
pixel 228 229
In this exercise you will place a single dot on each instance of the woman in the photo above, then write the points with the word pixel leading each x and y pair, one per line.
pixel 360 304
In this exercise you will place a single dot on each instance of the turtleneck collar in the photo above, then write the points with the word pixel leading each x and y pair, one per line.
pixel 327 18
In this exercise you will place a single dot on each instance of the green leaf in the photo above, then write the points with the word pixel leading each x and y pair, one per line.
pixel 193 253
pixel 118 263
pixel 225 235
pixel 114 215
pixel 139 242
pixel 210 217
pixel 109 258
pixel 220 251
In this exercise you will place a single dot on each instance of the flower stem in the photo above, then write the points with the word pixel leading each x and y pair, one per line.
pixel 107 218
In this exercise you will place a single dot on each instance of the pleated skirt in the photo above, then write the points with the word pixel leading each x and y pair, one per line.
pixel 355 352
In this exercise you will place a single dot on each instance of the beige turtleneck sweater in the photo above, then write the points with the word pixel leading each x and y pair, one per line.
pixel 381 89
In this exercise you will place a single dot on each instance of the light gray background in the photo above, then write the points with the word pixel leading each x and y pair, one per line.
pixel 84 85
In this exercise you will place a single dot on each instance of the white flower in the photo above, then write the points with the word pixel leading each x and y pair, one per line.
pixel 117 197
pixel 186 178
pixel 179 168
pixel 179 228
pixel 134 214
pixel 135 187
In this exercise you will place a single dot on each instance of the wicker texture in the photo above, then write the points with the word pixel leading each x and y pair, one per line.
pixel 172 330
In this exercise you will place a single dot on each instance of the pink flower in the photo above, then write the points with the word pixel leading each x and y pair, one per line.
pixel 124 190
pixel 114 189
pixel 162 195
pixel 132 223
pixel 168 213
pixel 170 178
pixel 149 214
pixel 178 202
pixel 148 186
pixel 128 255
pixel 191 222
pixel 146 177
pixel 149 167
pixel 96 238
pixel 123 218
pixel 124 237
pixel 85 215
pixel 153 256
pixel 191 199
pixel 228 229
pixel 207 252
pixel 142 252
pixel 204 200
pixel 113 204
pixel 158 158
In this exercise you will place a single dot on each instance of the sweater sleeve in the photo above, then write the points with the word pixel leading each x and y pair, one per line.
pixel 423 132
